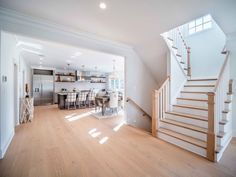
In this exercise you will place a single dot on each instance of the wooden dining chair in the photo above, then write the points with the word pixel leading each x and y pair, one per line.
pixel 82 99
pixel 71 99
pixel 91 98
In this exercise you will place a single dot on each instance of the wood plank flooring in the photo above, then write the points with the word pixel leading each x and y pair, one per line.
pixel 62 143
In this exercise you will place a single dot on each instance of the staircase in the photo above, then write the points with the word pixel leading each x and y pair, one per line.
pixel 199 119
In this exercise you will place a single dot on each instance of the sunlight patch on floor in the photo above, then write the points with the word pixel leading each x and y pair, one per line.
pixel 103 140
pixel 80 116
pixel 116 128
pixel 70 115
pixel 92 131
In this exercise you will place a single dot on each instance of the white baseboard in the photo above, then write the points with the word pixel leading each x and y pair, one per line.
pixel 5 147
pixel 223 150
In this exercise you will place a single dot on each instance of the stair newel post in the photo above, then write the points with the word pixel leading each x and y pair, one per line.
pixel 211 136
pixel 188 62
pixel 155 112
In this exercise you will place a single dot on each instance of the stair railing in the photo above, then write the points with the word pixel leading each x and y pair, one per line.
pixel 216 105
pixel 183 50
pixel 160 104
pixel 138 107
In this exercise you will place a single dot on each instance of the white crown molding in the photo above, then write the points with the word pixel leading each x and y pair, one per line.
pixel 17 17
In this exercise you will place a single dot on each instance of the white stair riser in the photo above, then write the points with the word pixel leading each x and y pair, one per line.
pixel 210 82
pixel 182 144
pixel 224 140
pixel 190 111
pixel 225 116
pixel 199 89
pixel 230 97
pixel 225 128
pixel 228 106
pixel 199 123
pixel 194 96
pixel 193 103
pixel 184 131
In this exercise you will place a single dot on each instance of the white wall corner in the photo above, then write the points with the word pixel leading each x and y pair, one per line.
pixel 3 149
pixel 1 155
pixel 234 133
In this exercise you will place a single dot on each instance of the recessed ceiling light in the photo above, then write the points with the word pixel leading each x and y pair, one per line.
pixel 40 63
pixel 103 5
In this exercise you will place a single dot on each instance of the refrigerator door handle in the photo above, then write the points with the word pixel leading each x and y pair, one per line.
pixel 41 89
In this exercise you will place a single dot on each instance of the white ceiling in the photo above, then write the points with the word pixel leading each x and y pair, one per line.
pixel 57 55
pixel 135 22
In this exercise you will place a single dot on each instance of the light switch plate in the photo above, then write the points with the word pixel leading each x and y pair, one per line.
pixel 4 78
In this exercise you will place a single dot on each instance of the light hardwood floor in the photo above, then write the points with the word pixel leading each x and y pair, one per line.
pixel 68 144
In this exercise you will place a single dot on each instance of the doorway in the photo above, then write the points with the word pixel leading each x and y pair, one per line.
pixel 16 96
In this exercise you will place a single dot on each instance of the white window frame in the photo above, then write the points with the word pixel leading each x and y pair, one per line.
pixel 196 28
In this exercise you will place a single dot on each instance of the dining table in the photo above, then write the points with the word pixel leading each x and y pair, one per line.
pixel 103 99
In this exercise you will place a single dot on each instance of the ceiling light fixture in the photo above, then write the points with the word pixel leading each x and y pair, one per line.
pixel 103 5
pixel 28 44
pixel 32 51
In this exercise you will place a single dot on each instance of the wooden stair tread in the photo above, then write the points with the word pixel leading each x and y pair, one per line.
pixel 178 55
pixel 218 149
pixel 174 47
pixel 194 92
pixel 199 85
pixel 183 137
pixel 223 122
pixel 188 139
pixel 192 99
pixel 184 125
pixel 221 134
pixel 226 111
pixel 204 79
pixel 170 39
pixel 189 116
pixel 191 107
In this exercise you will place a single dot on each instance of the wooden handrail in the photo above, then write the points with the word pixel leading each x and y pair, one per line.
pixel 222 71
pixel 137 106
pixel 163 84
pixel 181 35
pixel 230 87
pixel 188 49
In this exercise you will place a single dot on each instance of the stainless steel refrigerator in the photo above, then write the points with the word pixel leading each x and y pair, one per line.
pixel 43 87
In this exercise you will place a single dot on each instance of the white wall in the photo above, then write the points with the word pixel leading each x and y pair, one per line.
pixel 139 81
pixel 177 76
pixel 231 46
pixel 206 47
pixel 9 56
